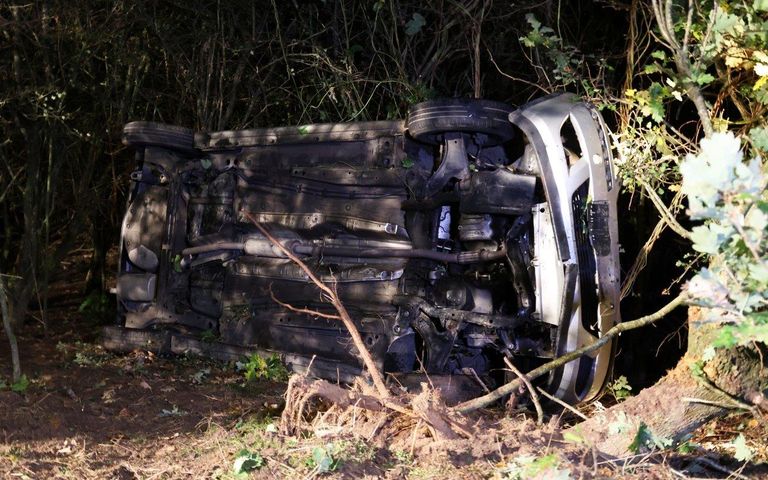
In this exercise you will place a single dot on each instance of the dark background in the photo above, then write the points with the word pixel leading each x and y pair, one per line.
pixel 73 73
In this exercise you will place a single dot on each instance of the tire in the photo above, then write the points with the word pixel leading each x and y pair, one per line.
pixel 141 134
pixel 428 121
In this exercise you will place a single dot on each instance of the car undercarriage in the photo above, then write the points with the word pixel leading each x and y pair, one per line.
pixel 469 233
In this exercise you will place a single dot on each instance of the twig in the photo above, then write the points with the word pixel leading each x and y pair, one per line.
pixel 713 403
pixel 478 379
pixel 562 404
pixel 735 402
pixel 301 310
pixel 531 391
pixel 516 79
pixel 720 468
pixel 665 213
pixel 510 387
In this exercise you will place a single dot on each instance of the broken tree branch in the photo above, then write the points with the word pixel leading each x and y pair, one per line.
pixel 665 212
pixel 562 403
pixel 485 400
pixel 307 311
pixel 346 319
pixel 531 390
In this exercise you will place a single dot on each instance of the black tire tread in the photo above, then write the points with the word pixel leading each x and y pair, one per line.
pixel 427 121
pixel 139 134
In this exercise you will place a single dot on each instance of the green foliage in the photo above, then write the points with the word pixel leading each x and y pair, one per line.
pixel 96 304
pixel 741 451
pixel 646 440
pixel 539 35
pixel 526 466
pixel 176 261
pixel 257 367
pixel 404 457
pixel 620 424
pixel 209 336
pixel 21 385
pixel 686 445
pixel 570 67
pixel 415 24
pixel 620 388
pixel 730 195
pixel 247 461
pixel 324 458
pixel 726 35
pixel 724 176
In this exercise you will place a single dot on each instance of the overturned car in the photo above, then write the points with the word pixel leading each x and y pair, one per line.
pixel 468 233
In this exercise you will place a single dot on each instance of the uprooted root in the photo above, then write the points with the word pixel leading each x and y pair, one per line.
pixel 325 408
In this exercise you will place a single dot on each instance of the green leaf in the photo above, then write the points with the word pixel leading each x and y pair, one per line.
pixel 659 55
pixel 748 332
pixel 205 163
pixel 177 264
pixel 20 386
pixel 407 162
pixel 247 462
pixel 742 452
pixel 415 24
pixel 620 424
pixel 569 436
pixel 645 439
pixel 652 68
pixel 323 460
pixel 759 136
pixel 756 219
pixel 759 272
pixel 706 239
pixel 704 79
pixel 655 106
pixel 532 21
pixel 303 129
pixel 270 368
pixel 760 5
pixel 726 338
pixel 621 388
pixel 686 446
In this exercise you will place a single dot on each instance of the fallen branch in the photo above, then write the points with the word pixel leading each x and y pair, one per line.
pixel 506 389
pixel 562 403
pixel 531 390
pixel 306 311
pixel 333 297
pixel 665 212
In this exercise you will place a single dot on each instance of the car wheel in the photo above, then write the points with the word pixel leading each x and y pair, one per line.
pixel 428 121
pixel 139 134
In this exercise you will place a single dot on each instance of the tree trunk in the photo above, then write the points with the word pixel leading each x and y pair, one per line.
pixel 681 402
pixel 15 363
pixel 28 258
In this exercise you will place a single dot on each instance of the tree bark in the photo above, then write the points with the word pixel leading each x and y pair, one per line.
pixel 9 332
pixel 681 402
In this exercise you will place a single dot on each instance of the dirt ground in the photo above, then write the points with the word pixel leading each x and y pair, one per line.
pixel 89 414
